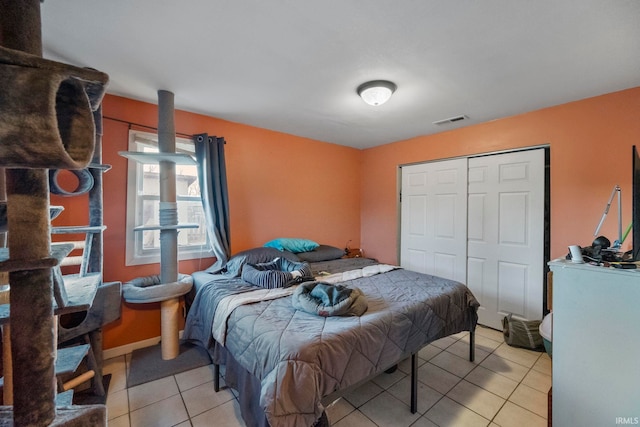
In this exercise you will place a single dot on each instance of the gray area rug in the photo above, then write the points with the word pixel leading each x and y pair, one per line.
pixel 147 364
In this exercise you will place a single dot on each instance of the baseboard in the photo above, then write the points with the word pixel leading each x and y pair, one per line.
pixel 110 353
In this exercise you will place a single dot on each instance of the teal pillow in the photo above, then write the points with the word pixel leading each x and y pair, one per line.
pixel 292 245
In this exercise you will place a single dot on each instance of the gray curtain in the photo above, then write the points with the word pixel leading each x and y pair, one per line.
pixel 212 177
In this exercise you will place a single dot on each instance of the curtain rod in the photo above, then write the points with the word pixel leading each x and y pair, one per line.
pixel 144 126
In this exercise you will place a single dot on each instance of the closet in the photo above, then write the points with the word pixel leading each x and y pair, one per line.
pixel 481 221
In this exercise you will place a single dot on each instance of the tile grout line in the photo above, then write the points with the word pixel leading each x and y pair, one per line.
pixel 529 369
pixel 510 394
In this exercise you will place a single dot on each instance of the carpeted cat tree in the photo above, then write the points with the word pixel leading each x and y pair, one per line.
pixel 169 286
pixel 46 122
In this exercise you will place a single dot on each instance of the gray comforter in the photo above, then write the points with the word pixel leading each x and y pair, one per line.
pixel 300 358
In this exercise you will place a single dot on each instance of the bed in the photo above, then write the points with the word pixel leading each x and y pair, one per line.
pixel 287 364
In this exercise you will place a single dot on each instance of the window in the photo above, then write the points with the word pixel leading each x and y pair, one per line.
pixel 143 202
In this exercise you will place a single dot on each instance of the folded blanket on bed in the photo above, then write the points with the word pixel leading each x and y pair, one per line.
pixel 325 299
pixel 213 304
pixel 231 302
pixel 369 270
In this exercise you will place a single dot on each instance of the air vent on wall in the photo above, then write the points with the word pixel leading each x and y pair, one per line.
pixel 451 120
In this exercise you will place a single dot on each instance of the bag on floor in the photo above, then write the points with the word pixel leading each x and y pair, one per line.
pixel 522 333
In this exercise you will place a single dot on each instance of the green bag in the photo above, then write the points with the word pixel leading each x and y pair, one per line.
pixel 522 333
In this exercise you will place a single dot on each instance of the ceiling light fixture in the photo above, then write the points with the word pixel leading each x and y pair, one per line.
pixel 376 92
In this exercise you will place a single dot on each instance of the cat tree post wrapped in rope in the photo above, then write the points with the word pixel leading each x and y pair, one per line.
pixel 169 308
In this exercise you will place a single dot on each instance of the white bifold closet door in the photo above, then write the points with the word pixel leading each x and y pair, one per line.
pixel 506 235
pixel 479 221
pixel 434 219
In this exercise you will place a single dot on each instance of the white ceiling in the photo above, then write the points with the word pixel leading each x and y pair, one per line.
pixel 294 65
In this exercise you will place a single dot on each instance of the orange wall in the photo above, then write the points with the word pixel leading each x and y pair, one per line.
pixel 286 186
pixel 590 145
pixel 279 186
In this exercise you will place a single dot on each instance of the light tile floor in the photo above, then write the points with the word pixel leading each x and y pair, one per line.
pixel 504 386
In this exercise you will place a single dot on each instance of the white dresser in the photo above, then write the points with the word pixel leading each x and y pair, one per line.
pixel 596 345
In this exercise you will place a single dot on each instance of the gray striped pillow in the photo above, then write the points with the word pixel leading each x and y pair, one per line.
pixel 279 273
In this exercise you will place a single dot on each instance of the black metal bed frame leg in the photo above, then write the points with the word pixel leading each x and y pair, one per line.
pixel 216 377
pixel 414 383
pixel 472 343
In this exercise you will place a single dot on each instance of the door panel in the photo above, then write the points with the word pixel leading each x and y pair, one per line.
pixel 433 218
pixel 476 204
pixel 512 285
pixel 506 235
pixel 513 207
